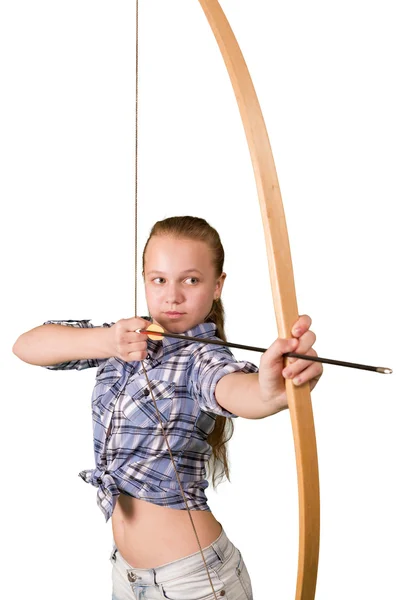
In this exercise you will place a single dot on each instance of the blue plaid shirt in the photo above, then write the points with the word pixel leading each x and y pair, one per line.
pixel 130 452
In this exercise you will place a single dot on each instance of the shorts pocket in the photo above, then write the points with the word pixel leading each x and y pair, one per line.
pixel 193 586
pixel 138 405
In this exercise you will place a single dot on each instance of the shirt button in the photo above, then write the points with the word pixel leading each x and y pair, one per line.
pixel 99 480
pixel 222 593
pixel 146 392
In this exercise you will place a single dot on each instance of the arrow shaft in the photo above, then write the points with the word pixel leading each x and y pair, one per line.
pixel 320 359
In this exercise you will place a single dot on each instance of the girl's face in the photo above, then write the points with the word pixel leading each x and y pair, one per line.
pixel 180 282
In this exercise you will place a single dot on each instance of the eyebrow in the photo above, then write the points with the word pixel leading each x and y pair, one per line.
pixel 183 272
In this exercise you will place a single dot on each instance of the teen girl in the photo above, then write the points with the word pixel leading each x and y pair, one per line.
pixel 198 389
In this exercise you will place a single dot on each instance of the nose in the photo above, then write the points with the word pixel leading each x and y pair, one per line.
pixel 174 294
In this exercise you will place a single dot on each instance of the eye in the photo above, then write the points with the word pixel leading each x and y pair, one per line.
pixel 159 280
pixel 192 280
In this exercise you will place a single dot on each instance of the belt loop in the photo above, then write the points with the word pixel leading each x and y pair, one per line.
pixel 114 552
pixel 218 551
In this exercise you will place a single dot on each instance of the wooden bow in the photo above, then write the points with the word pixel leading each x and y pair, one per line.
pixel 283 290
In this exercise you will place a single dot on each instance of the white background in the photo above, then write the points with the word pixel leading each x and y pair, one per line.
pixel 326 74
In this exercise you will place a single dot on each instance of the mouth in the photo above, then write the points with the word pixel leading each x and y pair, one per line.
pixel 172 314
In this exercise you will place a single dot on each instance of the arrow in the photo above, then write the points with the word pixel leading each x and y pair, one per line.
pixel 328 361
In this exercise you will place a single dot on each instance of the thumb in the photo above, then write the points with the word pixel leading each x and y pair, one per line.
pixel 145 323
pixel 136 323
pixel 278 348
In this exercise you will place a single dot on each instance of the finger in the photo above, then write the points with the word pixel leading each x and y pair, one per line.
pixel 137 350
pixel 273 355
pixel 313 372
pixel 301 326
pixel 136 356
pixel 137 346
pixel 293 369
pixel 306 341
pixel 133 350
pixel 309 371
pixel 131 337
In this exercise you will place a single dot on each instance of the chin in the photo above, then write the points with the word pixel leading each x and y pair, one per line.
pixel 169 323
pixel 177 325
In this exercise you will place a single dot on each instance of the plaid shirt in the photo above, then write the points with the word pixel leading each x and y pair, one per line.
pixel 130 452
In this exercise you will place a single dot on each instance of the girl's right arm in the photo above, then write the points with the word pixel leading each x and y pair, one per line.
pixel 81 344
pixel 52 343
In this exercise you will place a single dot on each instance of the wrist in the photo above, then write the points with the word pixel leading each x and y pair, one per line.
pixel 273 399
pixel 107 342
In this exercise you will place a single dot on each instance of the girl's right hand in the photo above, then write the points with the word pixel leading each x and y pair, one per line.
pixel 126 344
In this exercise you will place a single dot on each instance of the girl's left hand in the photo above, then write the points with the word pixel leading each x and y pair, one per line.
pixel 272 373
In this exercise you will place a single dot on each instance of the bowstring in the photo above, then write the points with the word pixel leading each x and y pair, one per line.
pixel 136 149
pixel 136 287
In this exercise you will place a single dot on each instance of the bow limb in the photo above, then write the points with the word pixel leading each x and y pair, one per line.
pixel 283 290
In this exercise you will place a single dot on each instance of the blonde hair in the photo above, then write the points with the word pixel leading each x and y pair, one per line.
pixel 198 229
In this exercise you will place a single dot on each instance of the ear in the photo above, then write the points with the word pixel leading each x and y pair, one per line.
pixel 219 285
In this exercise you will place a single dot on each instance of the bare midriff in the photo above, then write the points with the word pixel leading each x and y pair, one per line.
pixel 148 535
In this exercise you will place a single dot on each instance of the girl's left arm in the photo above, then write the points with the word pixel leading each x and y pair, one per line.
pixel 240 393
pixel 259 395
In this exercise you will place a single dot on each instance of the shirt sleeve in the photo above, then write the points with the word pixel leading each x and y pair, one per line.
pixel 85 363
pixel 209 365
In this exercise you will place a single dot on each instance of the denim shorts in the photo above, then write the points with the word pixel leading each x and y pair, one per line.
pixel 185 578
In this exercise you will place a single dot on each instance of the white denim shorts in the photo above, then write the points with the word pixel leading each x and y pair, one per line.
pixel 185 578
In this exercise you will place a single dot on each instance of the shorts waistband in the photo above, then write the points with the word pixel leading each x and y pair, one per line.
pixel 215 553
